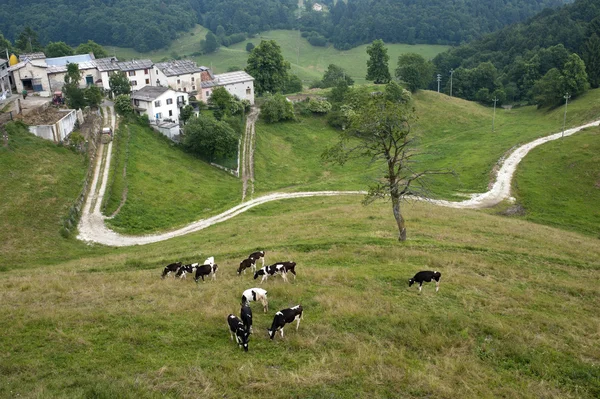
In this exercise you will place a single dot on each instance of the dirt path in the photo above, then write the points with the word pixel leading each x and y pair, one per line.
pixel 248 154
pixel 93 229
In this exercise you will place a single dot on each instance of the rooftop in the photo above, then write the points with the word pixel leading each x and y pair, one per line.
pixel 107 64
pixel 135 65
pixel 233 77
pixel 73 59
pixel 149 93
pixel 32 56
pixel 63 68
pixel 179 67
pixel 37 63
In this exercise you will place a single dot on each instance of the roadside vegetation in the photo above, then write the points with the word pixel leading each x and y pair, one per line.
pixel 558 183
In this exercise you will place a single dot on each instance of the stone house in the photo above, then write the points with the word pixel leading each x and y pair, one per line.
pixel 181 75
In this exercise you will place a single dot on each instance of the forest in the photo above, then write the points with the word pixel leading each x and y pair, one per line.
pixel 151 24
pixel 527 61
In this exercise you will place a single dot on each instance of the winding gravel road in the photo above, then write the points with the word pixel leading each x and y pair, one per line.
pixel 93 229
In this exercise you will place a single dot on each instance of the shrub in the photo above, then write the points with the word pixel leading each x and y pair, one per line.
pixel 319 106
pixel 277 108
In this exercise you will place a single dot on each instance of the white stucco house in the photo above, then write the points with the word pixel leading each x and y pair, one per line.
pixel 238 83
pixel 159 103
pixel 4 79
pixel 139 72
pixel 181 75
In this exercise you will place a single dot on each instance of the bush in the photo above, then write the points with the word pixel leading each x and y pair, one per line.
pixel 123 105
pixel 277 108
pixel 319 106
pixel 249 46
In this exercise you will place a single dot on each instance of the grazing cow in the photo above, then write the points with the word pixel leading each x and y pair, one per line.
pixel 256 294
pixel 426 276
pixel 258 255
pixel 236 327
pixel 172 268
pixel 284 317
pixel 206 270
pixel 249 263
pixel 185 269
pixel 276 268
pixel 246 316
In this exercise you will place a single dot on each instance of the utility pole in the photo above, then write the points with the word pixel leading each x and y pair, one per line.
pixel 495 100
pixel 451 72
pixel 439 79
pixel 566 97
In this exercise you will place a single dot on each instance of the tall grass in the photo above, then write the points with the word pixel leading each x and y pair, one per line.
pixel 516 315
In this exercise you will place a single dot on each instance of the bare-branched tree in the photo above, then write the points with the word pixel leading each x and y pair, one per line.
pixel 380 131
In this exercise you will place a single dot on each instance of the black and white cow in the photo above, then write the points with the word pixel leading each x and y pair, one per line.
pixel 258 255
pixel 236 327
pixel 172 268
pixel 284 317
pixel 426 276
pixel 185 269
pixel 277 268
pixel 249 263
pixel 246 316
pixel 256 294
pixel 206 270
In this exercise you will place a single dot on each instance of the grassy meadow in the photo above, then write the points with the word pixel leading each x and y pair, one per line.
pixel 558 183
pixel 516 315
pixel 166 187
pixel 307 61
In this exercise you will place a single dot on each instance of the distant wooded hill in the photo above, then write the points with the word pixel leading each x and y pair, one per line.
pixel 151 24
pixel 529 61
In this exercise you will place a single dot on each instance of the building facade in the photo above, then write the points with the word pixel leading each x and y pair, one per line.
pixel 159 103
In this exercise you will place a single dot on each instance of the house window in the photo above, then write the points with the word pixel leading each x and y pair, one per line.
pixel 147 81
pixel 159 115
pixel 193 87
pixel 157 103
pixel 134 82
pixel 169 101
pixel 207 93
pixel 170 113
pixel 178 81
pixel 146 72
pixel 136 103
pixel 248 91
pixel 185 89
pixel 192 78
pixel 131 73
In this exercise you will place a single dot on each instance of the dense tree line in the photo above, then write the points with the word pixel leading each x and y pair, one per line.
pixel 142 24
pixel 418 21
pixel 536 61
pixel 152 24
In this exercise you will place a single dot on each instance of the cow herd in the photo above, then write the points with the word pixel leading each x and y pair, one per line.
pixel 241 328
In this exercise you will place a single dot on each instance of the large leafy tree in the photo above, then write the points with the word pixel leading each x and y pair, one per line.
pixel 381 132
pixel 209 138
pixel 415 71
pixel 211 44
pixel 73 94
pixel 58 49
pixel 5 46
pixel 377 64
pixel 28 41
pixel 123 105
pixel 91 47
pixel 591 57
pixel 333 75
pixel 575 77
pixel 119 84
pixel 268 68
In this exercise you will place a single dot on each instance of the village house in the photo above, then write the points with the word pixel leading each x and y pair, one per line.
pixel 57 70
pixel 139 72
pixel 106 66
pixel 159 103
pixel 181 75
pixel 31 75
pixel 238 83
pixel 4 79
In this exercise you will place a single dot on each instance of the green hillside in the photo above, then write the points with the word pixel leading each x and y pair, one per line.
pixel 308 62
pixel 559 183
